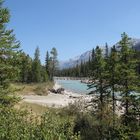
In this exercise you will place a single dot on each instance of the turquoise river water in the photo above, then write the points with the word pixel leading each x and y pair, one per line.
pixel 78 87
pixel 74 86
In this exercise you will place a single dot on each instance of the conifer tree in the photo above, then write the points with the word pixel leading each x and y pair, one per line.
pixel 113 74
pixel 98 84
pixel 92 61
pixel 36 67
pixel 8 50
pixel 89 68
pixel 93 55
pixel 138 58
pixel 53 63
pixel 44 74
pixel 129 79
pixel 47 63
pixel 100 87
pixel 81 69
pixel 106 51
pixel 25 64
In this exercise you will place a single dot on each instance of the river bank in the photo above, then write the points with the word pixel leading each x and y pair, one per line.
pixel 62 100
pixel 55 100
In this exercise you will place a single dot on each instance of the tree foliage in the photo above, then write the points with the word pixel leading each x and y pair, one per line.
pixel 114 79
pixel 8 52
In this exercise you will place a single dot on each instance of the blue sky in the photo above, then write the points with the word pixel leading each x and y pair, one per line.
pixel 72 26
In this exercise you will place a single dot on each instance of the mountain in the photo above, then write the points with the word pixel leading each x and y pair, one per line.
pixel 85 56
pixel 76 60
pixel 135 44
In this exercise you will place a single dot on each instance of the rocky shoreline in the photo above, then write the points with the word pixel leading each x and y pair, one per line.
pixel 58 97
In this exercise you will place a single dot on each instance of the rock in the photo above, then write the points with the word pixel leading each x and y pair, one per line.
pixel 87 81
pixel 53 90
pixel 60 90
pixel 73 97
pixel 57 91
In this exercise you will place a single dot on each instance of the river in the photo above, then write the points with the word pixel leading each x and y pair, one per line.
pixel 81 88
pixel 74 86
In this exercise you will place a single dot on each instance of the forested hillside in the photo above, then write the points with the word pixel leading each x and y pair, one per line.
pixel 86 68
pixel 84 57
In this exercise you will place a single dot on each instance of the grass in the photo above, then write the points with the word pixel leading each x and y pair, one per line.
pixel 39 110
pixel 32 89
pixel 35 108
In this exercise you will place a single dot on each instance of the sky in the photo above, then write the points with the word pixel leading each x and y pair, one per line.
pixel 72 26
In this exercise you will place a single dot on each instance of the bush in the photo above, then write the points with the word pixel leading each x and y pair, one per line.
pixel 22 125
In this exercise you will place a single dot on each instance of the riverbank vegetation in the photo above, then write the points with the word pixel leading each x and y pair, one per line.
pixel 117 72
pixel 32 88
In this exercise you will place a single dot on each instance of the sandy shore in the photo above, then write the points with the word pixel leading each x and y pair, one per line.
pixel 52 99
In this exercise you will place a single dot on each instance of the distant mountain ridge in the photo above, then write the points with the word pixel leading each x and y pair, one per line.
pixel 76 60
pixel 85 56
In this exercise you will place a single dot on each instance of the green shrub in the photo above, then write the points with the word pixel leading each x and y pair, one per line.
pixel 22 125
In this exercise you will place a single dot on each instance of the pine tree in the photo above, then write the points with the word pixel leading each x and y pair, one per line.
pixel 36 67
pixel 100 87
pixel 84 70
pixel 106 51
pixel 76 70
pixel 112 67
pixel 92 61
pixel 8 50
pixel 138 58
pixel 24 64
pixel 44 74
pixel 47 63
pixel 98 79
pixel 81 69
pixel 89 68
pixel 53 63
pixel 129 79
pixel 93 55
